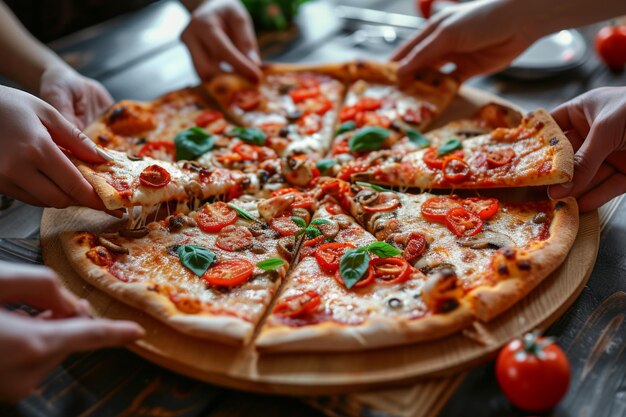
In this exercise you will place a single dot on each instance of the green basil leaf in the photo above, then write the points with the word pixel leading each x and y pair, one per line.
pixel 243 214
pixel 449 146
pixel 196 258
pixel 417 138
pixel 312 232
pixel 325 164
pixel 252 135
pixel 383 249
pixel 320 221
pixel 353 265
pixel 346 127
pixel 299 221
pixel 192 143
pixel 270 264
pixel 372 186
pixel 368 138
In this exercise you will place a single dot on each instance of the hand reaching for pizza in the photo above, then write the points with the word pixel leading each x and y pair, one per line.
pixel 79 99
pixel 595 123
pixel 32 346
pixel 32 167
pixel 220 37
pixel 478 37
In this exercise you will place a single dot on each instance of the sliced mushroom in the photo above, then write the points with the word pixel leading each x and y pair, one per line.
pixel 342 220
pixel 272 275
pixel 134 233
pixel 112 247
pixel 487 240
pixel 194 189
pixel 286 247
pixel 258 249
pixel 442 291
pixel 329 230
pixel 273 207
pixel 366 196
pixel 429 265
pixel 303 213
pixel 298 172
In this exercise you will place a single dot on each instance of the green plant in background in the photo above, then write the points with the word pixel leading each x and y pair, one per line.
pixel 272 14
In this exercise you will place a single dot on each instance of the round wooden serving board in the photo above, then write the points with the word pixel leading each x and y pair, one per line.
pixel 327 373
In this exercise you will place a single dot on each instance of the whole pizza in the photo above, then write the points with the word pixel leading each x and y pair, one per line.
pixel 316 211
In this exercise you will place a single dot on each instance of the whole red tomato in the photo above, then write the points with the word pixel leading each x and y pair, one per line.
pixel 611 46
pixel 534 373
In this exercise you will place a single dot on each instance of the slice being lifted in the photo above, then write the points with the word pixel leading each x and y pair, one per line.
pixel 211 273
pixel 534 153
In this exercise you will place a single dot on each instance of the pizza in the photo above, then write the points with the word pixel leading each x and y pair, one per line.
pixel 254 229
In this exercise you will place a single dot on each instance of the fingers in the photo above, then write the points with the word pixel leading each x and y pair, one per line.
pixel 407 47
pixel 65 175
pixel 224 50
pixel 19 193
pixel 63 103
pixel 199 56
pixel 612 187
pixel 68 136
pixel 37 287
pixel 435 45
pixel 81 334
pixel 47 191
pixel 242 35
pixel 587 161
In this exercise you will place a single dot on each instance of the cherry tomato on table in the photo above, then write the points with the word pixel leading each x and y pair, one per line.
pixel 534 373
pixel 611 46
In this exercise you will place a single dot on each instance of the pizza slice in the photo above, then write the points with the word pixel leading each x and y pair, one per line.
pixel 536 152
pixel 489 252
pixel 295 106
pixel 211 273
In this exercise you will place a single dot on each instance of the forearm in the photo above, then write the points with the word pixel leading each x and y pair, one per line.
pixel 548 16
pixel 22 57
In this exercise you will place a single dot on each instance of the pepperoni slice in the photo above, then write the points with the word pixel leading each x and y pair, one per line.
pixel 154 176
pixel 498 157
pixel 234 238
pixel 415 247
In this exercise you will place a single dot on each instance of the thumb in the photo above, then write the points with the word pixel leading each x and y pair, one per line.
pixel 82 334
pixel 68 136
pixel 424 53
pixel 587 161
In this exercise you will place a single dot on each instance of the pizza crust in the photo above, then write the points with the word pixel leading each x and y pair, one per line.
pixel 377 332
pixel 225 329
pixel 109 195
pixel 488 302
pixel 563 160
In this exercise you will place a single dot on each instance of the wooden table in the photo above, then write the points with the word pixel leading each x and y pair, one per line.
pixel 139 56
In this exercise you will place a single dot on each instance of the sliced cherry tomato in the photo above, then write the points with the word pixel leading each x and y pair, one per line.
pixel 366 279
pixel 455 169
pixel 435 208
pixel 370 118
pixel 415 247
pixel 611 46
pixel 369 103
pixel 500 156
pixel 247 99
pixel 272 128
pixel 534 373
pixel 154 176
pixel 319 105
pixel 298 305
pixel 217 127
pixel 304 92
pixel 309 124
pixel 435 161
pixel 384 202
pixel 234 238
pixel 348 113
pixel 215 216
pixel 159 149
pixel 462 222
pixel 341 147
pixel 329 255
pixel 285 226
pixel 390 270
pixel 284 191
pixel 310 246
pixel 246 151
pixel 207 117
pixel 229 273
pixel 485 208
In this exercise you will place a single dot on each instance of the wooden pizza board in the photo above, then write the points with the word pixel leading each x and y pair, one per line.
pixel 328 373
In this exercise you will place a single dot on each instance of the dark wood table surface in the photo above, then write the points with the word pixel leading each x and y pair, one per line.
pixel 139 56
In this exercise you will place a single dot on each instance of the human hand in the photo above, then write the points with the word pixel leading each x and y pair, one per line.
pixel 32 346
pixel 32 167
pixel 79 99
pixel 478 37
pixel 595 123
pixel 220 35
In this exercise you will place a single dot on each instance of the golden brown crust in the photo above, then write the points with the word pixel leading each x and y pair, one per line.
pixel 225 329
pixel 109 195
pixel 563 159
pixel 340 71
pixel 488 302
pixel 377 332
